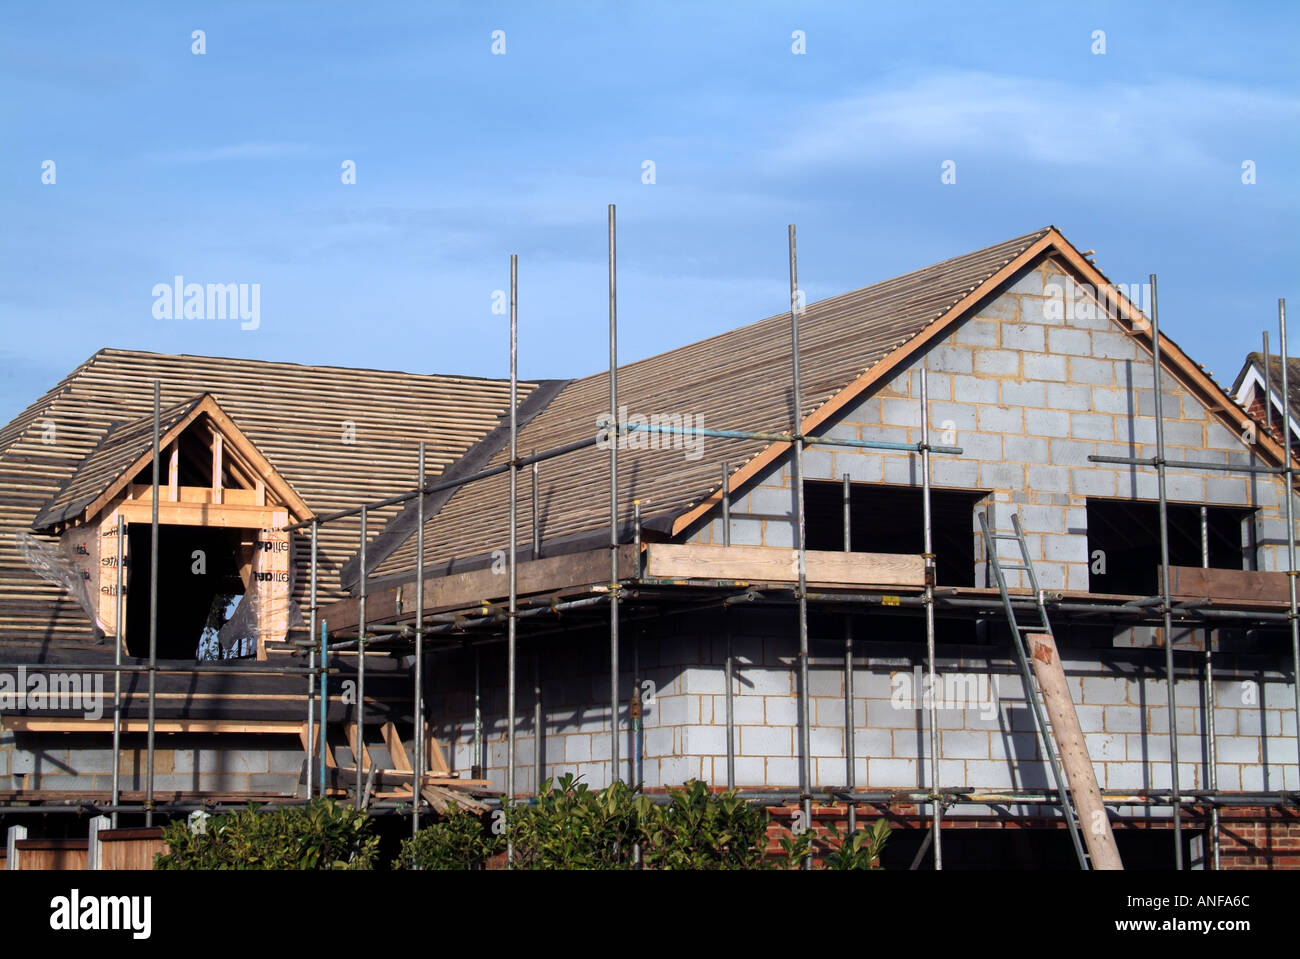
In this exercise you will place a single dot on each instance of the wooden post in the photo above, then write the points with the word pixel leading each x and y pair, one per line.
pixel 173 473
pixel 94 851
pixel 1093 821
pixel 11 845
pixel 216 467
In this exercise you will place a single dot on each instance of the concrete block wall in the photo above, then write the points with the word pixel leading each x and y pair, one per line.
pixel 74 762
pixel 987 734
pixel 1029 390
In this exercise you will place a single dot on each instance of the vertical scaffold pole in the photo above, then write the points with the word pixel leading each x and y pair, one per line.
pixel 613 500
pixel 805 733
pixel 1170 677
pixel 361 664
pixel 311 665
pixel 119 620
pixel 937 833
pixel 1211 742
pixel 538 744
pixel 418 693
pixel 512 539
pixel 1290 518
pixel 729 663
pixel 850 750
pixel 324 705
pixel 153 611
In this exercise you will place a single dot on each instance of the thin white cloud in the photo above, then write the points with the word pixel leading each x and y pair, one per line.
pixel 252 150
pixel 1046 121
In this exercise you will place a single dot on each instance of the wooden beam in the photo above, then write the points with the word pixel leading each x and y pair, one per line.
pixel 462 590
pixel 435 762
pixel 206 514
pixel 66 725
pixel 1073 749
pixel 396 751
pixel 359 755
pixel 1190 583
pixel 768 565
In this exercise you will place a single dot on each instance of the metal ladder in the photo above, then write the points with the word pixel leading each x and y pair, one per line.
pixel 1032 692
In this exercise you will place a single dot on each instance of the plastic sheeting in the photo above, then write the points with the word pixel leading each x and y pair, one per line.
pixel 71 563
pixel 266 600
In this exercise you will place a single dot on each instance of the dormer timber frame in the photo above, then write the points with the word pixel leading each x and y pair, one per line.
pixel 210 476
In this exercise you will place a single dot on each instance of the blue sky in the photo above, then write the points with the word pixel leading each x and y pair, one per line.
pixel 226 168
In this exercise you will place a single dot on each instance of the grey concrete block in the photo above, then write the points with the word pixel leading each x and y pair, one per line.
pixel 1185 434
pixel 1003 476
pixel 764 499
pixel 954 471
pixel 1071 453
pixel 900 412
pixel 1069 342
pixel 1044 366
pixel 979 332
pixel 1239 749
pixel 1092 426
pixel 1026 337
pixel 1047 423
pixel 1029 283
pixel 903 470
pixel 961 416
pixel 1025 449
pixel 1001 419
pixel 887 773
pixel 885 434
pixel 781 711
pixel 281 783
pixel 964 744
pixel 1068 396
pixel 950 358
pixel 997 362
pixel 767 740
pixel 1085 370
pixel 1113 346
pixel 862 467
pixel 1021 393
pixel 975 389
pixel 1086 482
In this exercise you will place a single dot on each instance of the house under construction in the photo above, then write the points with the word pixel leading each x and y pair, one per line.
pixel 976 546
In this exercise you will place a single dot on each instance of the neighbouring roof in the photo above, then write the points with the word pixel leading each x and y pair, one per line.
pixel 1255 361
pixel 339 437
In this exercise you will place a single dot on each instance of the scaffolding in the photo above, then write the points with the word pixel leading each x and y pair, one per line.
pixel 476 631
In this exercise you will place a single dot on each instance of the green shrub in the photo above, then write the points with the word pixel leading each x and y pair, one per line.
pixel 460 840
pixel 321 835
pixel 861 850
pixel 571 827
pixel 699 829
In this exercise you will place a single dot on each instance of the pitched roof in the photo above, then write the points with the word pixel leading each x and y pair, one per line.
pixel 338 436
pixel 739 380
pixel 736 380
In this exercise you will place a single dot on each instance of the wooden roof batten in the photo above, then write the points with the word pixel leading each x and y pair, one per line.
pixel 71 505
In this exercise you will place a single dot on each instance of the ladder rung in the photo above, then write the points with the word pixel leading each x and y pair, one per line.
pixel 1013 566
